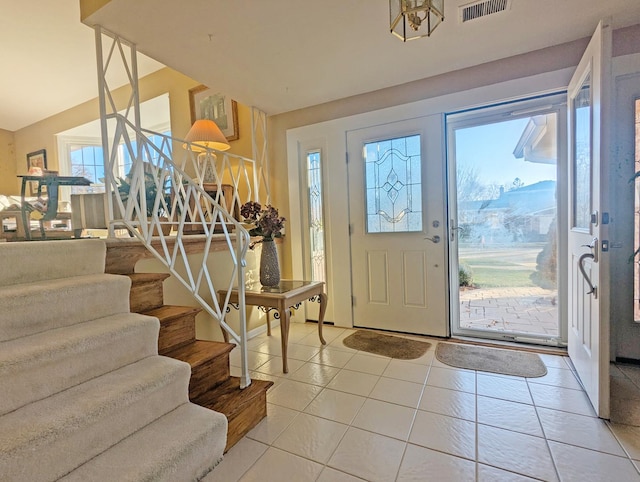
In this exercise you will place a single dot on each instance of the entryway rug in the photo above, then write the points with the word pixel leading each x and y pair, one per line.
pixel 386 345
pixel 494 360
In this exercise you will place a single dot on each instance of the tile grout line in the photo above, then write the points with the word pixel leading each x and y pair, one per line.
pixel 544 434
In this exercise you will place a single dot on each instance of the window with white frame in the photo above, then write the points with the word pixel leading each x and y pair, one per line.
pixel 84 157
pixel 80 150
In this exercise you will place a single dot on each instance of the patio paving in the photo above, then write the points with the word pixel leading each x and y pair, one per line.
pixel 515 310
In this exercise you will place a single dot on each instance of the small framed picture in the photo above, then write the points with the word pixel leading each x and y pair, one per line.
pixel 206 103
pixel 36 166
pixel 37 160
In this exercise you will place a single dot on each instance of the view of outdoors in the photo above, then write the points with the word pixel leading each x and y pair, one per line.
pixel 506 201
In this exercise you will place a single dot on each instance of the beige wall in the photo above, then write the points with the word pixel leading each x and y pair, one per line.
pixel 7 162
pixel 42 135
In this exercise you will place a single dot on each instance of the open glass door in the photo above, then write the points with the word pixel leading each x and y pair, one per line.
pixel 505 166
pixel 588 106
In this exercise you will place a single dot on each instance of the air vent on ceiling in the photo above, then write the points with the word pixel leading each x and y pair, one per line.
pixel 475 10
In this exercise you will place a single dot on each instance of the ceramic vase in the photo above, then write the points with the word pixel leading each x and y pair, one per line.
pixel 269 267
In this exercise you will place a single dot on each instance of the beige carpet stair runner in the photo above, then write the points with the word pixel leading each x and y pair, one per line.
pixel 85 395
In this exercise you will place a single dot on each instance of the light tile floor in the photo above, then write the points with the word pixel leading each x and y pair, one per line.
pixel 343 415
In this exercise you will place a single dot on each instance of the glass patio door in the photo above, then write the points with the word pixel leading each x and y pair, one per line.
pixel 505 167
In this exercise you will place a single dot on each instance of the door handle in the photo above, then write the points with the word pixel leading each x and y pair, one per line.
pixel 594 248
pixel 592 289
pixel 452 230
pixel 434 239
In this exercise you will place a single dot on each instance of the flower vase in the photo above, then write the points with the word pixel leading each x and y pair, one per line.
pixel 269 267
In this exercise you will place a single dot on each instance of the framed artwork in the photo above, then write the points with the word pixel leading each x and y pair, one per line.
pixel 37 159
pixel 206 103
pixel 36 165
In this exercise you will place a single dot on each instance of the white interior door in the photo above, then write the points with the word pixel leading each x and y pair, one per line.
pixel 397 235
pixel 588 330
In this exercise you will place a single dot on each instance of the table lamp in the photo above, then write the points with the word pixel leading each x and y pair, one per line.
pixel 205 134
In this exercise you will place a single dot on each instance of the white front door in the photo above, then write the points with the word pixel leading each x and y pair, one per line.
pixel 397 226
pixel 588 330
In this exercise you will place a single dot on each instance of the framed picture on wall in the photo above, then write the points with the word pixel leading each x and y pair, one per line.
pixel 206 103
pixel 36 166
pixel 37 160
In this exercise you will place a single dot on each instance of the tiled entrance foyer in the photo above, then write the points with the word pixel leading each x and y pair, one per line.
pixel 343 415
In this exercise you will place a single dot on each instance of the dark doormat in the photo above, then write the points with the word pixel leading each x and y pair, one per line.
pixel 494 360
pixel 386 345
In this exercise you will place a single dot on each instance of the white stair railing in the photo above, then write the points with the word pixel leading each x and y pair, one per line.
pixel 164 206
pixel 173 185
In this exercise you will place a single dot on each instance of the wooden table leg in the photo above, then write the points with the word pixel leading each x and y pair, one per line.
pixel 285 315
pixel 323 309
pixel 268 322
pixel 26 218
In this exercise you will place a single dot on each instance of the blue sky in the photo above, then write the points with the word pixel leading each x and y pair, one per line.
pixel 489 148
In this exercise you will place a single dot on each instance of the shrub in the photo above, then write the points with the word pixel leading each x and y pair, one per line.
pixel 547 262
pixel 465 275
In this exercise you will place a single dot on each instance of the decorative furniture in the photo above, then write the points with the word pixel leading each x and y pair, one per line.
pixel 11 227
pixel 47 184
pixel 288 294
pixel 89 211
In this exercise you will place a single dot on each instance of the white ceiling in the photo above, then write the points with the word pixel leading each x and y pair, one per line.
pixel 278 55
pixel 47 60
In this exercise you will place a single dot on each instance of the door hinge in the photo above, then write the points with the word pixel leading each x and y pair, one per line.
pixel 346 156
pixel 350 229
pixel 353 300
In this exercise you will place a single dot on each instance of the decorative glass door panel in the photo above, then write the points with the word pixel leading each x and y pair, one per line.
pixel 316 217
pixel 393 185
pixel 581 161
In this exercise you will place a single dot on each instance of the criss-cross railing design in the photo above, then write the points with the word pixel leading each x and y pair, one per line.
pixel 172 184
pixel 163 202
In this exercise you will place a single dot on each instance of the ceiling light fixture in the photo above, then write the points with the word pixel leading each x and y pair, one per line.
pixel 412 19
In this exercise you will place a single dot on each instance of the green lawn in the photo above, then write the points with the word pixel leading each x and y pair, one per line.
pixel 498 272
pixel 484 277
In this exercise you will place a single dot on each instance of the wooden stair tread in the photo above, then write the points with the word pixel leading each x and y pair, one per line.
pixel 244 409
pixel 199 351
pixel 169 312
pixel 229 399
pixel 146 277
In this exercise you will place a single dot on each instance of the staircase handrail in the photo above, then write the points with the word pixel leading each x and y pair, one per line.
pixel 158 185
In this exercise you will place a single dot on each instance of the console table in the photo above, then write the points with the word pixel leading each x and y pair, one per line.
pixel 280 298
pixel 51 182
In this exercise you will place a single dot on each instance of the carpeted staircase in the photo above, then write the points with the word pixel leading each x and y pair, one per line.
pixel 84 395
pixel 211 385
